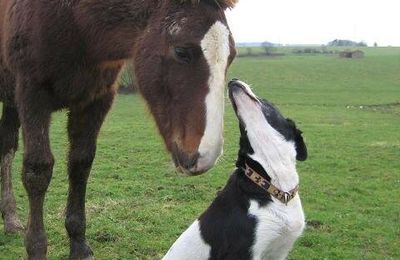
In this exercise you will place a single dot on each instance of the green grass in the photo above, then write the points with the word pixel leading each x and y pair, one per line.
pixel 349 111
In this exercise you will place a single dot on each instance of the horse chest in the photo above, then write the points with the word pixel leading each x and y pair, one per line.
pixel 85 85
pixel 105 79
pixel 278 226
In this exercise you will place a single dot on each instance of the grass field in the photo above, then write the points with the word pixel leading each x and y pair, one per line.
pixel 349 111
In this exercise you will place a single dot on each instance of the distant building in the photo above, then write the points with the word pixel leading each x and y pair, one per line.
pixel 357 54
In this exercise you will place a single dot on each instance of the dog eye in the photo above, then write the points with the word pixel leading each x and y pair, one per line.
pixel 184 54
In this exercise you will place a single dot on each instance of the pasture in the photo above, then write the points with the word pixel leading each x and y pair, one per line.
pixel 349 111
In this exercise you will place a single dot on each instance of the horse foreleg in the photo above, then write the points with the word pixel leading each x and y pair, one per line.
pixel 83 129
pixel 9 126
pixel 34 113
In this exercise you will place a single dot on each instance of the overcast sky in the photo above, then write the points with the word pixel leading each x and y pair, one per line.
pixel 316 21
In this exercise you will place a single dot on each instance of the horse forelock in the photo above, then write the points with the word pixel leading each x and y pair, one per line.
pixel 220 3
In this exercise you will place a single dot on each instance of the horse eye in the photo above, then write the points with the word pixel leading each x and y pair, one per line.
pixel 184 54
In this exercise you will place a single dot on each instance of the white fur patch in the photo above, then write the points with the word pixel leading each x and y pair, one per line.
pixel 278 227
pixel 215 46
pixel 271 150
pixel 190 245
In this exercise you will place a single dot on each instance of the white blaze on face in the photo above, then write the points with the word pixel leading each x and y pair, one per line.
pixel 215 47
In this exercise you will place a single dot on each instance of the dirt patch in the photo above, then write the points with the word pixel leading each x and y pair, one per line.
pixel 104 237
pixel 391 108
pixel 316 224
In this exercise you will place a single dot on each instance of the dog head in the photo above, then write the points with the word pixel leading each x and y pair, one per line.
pixel 268 141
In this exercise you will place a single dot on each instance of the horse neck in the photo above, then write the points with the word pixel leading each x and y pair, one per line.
pixel 112 27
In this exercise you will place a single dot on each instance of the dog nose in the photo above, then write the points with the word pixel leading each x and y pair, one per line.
pixel 233 81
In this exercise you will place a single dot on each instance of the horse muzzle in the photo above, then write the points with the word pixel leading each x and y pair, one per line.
pixel 193 164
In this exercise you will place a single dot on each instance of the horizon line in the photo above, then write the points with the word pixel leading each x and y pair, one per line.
pixel 259 43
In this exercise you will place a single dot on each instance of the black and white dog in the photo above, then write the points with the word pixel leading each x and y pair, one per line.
pixel 258 215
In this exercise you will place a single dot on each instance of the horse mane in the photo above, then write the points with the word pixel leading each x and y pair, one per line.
pixel 221 3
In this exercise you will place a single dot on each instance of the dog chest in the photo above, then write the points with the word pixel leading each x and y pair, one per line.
pixel 278 226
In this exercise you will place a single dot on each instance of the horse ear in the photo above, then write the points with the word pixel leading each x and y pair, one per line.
pixel 301 148
pixel 228 3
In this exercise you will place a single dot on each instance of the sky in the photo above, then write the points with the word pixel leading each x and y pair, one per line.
pixel 316 21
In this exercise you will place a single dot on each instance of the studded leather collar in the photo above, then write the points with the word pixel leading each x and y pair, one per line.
pixel 282 196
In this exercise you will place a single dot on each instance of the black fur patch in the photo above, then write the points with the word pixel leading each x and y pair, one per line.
pixel 285 127
pixel 226 227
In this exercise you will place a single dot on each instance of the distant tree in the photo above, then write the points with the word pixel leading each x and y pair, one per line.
pixel 361 44
pixel 268 47
pixel 375 44
pixel 348 43
pixel 249 51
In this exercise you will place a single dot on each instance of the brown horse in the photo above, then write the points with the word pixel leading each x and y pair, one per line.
pixel 67 54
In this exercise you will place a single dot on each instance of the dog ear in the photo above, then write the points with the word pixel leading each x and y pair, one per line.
pixel 301 148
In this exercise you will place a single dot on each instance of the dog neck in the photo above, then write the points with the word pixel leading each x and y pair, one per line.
pixel 252 188
pixel 282 196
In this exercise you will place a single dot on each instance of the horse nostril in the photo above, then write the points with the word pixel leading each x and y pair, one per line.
pixel 184 160
pixel 190 162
